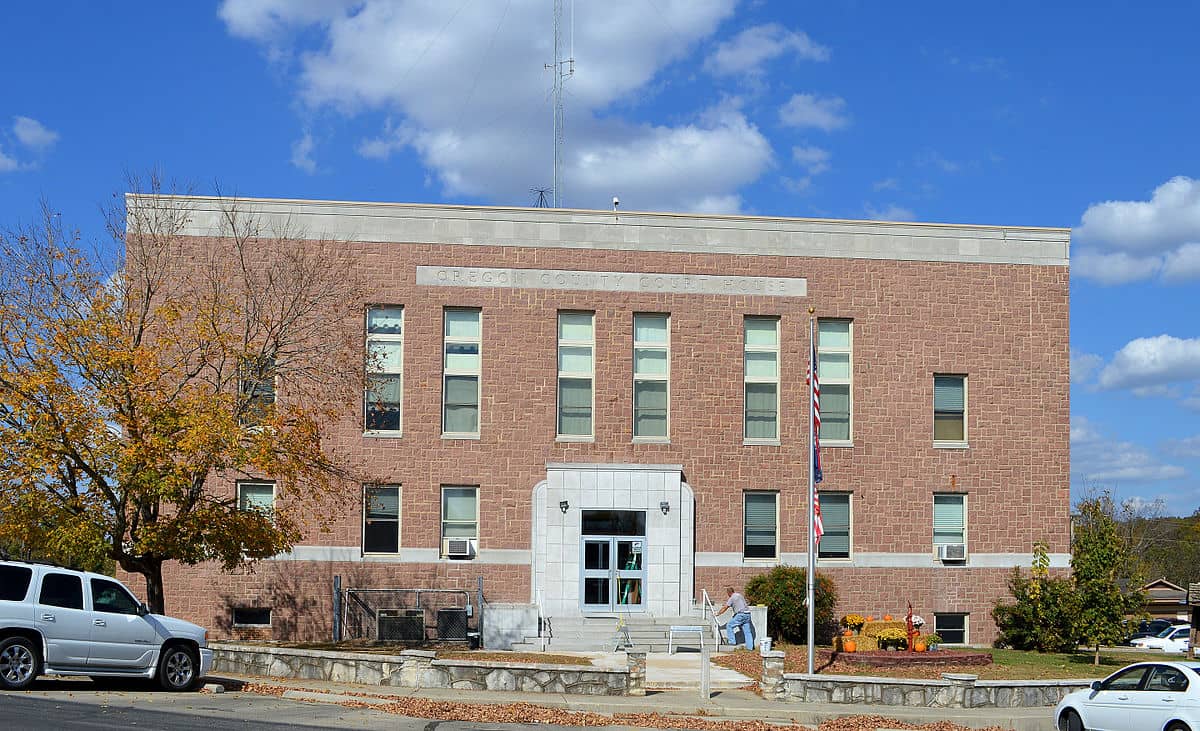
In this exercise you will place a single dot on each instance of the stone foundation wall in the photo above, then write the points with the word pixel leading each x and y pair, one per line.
pixel 419 669
pixel 953 691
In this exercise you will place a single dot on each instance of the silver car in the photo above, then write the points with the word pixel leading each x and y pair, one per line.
pixel 1147 696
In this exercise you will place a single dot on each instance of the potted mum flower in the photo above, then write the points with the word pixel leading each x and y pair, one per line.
pixel 854 622
pixel 932 640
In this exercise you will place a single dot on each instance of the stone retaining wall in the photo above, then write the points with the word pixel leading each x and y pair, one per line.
pixel 419 669
pixel 952 691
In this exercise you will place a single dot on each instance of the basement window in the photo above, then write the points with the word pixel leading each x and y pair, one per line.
pixel 251 617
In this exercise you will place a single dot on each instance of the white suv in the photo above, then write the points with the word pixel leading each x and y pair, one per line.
pixel 57 621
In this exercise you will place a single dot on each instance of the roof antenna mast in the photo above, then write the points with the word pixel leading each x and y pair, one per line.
pixel 563 69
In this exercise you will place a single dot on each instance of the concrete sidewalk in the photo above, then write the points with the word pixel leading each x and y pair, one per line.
pixel 733 705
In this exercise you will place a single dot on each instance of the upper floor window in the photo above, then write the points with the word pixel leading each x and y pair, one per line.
pixel 949 408
pixel 256 384
pixel 460 386
pixel 576 373
pixel 761 353
pixel 258 496
pixel 949 519
pixel 835 367
pixel 835 519
pixel 761 525
pixel 381 519
pixel 651 375
pixel 385 368
pixel 460 520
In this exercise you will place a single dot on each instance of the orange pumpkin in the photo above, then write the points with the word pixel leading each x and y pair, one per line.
pixel 848 633
pixel 871 618
pixel 849 645
pixel 887 617
pixel 919 645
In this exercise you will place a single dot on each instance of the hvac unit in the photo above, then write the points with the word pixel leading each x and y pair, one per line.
pixel 401 625
pixel 458 547
pixel 952 552
pixel 452 624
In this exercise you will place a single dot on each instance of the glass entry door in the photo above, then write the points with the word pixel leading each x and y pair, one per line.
pixel 614 570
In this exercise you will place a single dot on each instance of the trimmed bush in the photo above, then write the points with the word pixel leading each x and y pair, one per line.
pixel 782 590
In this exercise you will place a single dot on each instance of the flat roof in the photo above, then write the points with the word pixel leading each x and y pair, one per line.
pixel 426 223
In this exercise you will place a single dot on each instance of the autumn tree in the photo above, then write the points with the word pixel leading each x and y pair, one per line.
pixel 1045 610
pixel 1106 574
pixel 135 386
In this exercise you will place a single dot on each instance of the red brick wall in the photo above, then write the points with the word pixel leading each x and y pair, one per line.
pixel 1005 326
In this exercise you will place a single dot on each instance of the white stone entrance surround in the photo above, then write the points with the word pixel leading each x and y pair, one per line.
pixel 670 576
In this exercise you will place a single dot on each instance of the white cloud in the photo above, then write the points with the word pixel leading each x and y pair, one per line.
pixel 885 184
pixel 1083 365
pixel 749 50
pixel 813 159
pixel 33 134
pixel 8 164
pixel 1098 458
pixel 1160 236
pixel 799 186
pixel 1147 362
pixel 302 154
pixel 1186 447
pixel 1115 268
pixel 891 212
pixel 809 110
pixel 468 93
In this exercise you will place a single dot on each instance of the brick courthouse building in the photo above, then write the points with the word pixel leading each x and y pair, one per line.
pixel 601 412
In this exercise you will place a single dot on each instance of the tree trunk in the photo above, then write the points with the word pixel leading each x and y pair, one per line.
pixel 152 570
pixel 1096 658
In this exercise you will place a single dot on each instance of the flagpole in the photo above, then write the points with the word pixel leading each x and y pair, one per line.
pixel 812 557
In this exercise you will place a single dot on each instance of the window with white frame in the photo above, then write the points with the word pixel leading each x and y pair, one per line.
pixel 258 496
pixel 576 373
pixel 949 409
pixel 461 372
pixel 835 519
pixel 460 512
pixel 651 375
pixel 949 519
pixel 760 519
pixel 381 519
pixel 835 368
pixel 951 627
pixel 256 384
pixel 761 354
pixel 385 369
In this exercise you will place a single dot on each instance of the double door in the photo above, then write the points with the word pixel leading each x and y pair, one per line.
pixel 614 573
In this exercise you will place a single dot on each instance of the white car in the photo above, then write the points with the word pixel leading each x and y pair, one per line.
pixel 58 621
pixel 1175 638
pixel 1148 696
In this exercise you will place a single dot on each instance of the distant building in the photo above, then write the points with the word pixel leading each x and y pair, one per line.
pixel 599 412
pixel 1167 600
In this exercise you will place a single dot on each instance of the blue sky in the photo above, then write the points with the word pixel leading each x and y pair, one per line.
pixel 1080 114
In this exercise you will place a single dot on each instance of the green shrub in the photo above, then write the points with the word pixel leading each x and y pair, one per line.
pixel 1042 618
pixel 782 590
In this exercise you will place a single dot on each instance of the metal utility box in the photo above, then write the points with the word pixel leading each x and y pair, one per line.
pixel 452 624
pixel 401 625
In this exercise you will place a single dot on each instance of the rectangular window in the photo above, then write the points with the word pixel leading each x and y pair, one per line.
pixel 462 368
pixel 952 628
pixel 761 354
pixel 256 385
pixel 949 408
pixel 258 496
pixel 576 371
pixel 251 617
pixel 112 598
pixel 949 519
pixel 385 369
pixel 835 518
pixel 761 521
pixel 62 590
pixel 835 369
pixel 381 519
pixel 460 512
pixel 14 583
pixel 651 375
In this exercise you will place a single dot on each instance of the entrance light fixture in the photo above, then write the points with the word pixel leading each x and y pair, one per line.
pixel 563 505
pixel 665 507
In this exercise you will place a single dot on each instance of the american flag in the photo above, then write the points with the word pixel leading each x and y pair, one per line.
pixel 818 529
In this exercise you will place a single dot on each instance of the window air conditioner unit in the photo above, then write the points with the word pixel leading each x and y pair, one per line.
pixel 952 552
pixel 458 547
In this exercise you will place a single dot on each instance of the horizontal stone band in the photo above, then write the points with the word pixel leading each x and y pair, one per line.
pixel 651 282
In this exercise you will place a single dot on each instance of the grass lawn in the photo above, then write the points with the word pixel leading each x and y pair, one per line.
pixel 1006 665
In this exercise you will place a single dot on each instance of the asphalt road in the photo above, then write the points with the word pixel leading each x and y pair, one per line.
pixel 69 705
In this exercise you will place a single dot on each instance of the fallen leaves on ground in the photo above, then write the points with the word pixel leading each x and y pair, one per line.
pixel 749 663
pixel 532 713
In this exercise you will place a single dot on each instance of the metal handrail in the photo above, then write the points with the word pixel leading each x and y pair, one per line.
pixel 712 613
